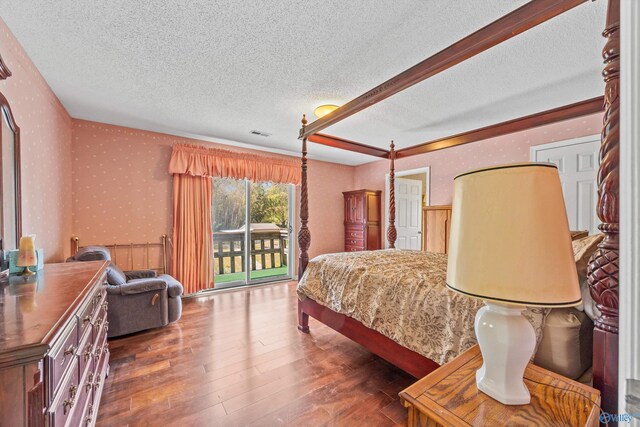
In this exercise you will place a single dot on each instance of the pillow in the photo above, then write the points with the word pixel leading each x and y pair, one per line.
pixel 582 250
pixel 92 253
pixel 575 235
pixel 588 304
pixel 566 346
pixel 115 276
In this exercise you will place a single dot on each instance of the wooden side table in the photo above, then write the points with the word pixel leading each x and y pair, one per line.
pixel 449 397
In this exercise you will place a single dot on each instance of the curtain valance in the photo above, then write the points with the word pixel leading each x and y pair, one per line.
pixel 213 162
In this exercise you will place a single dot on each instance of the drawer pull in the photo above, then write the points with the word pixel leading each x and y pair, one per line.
pixel 96 384
pixel 71 350
pixel 88 351
pixel 89 416
pixel 106 326
pixel 73 389
pixel 98 323
pixel 86 319
pixel 105 305
pixel 89 384
pixel 67 405
pixel 98 352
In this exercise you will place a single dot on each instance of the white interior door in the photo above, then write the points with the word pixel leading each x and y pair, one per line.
pixel 577 164
pixel 408 213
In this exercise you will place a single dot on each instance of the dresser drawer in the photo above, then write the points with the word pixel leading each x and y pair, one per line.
pixel 60 360
pixel 101 376
pixel 348 228
pixel 66 398
pixel 354 242
pixel 89 415
pixel 85 353
pixel 100 346
pixel 353 234
pixel 100 296
pixel 83 399
pixel 353 248
pixel 100 324
pixel 87 313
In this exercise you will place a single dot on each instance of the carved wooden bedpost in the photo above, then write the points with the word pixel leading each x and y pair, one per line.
pixel 304 235
pixel 391 232
pixel 603 267
pixel 4 70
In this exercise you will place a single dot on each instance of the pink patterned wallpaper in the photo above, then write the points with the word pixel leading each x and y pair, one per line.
pixel 45 128
pixel 446 164
pixel 122 191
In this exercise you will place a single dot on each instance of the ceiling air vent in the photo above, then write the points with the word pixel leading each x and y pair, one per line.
pixel 259 133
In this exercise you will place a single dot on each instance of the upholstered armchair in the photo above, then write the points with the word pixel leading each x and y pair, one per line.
pixel 138 299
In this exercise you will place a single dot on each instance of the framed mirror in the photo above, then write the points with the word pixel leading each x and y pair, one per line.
pixel 10 200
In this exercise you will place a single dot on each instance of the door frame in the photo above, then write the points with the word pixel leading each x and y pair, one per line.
pixel 533 150
pixel 399 174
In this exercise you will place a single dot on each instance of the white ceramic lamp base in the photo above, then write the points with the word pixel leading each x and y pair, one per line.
pixel 507 341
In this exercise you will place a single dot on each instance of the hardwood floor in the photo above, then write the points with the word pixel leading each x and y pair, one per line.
pixel 237 359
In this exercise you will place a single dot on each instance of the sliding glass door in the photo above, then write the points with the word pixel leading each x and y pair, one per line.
pixel 261 251
pixel 229 219
pixel 270 230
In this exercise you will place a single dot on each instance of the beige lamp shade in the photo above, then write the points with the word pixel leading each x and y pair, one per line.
pixel 510 239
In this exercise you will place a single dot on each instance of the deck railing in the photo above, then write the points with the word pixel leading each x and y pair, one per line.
pixel 268 250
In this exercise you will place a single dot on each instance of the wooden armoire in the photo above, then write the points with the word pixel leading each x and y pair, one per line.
pixel 362 220
pixel 436 221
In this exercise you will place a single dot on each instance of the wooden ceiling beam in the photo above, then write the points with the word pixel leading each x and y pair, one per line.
pixel 566 112
pixel 345 144
pixel 520 20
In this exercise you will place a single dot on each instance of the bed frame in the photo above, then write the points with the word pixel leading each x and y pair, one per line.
pixel 137 255
pixel 603 268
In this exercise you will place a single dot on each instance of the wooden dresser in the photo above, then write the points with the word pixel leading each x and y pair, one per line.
pixel 53 346
pixel 436 221
pixel 362 220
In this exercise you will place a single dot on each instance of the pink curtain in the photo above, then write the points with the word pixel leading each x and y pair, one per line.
pixel 193 168
pixel 214 162
pixel 192 232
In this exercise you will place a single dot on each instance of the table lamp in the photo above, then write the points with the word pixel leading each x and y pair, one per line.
pixel 510 246
pixel 27 255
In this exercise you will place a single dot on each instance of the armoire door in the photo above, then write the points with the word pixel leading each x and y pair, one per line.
pixel 436 224
pixel 354 208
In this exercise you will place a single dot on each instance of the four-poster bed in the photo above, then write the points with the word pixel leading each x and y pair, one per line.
pixel 603 268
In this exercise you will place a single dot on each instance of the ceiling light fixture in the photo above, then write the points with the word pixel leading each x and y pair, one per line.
pixel 325 109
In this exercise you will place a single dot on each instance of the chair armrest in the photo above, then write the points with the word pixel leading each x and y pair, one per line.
pixel 174 288
pixel 139 274
pixel 137 286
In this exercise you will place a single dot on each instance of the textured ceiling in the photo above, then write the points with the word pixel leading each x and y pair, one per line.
pixel 218 69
